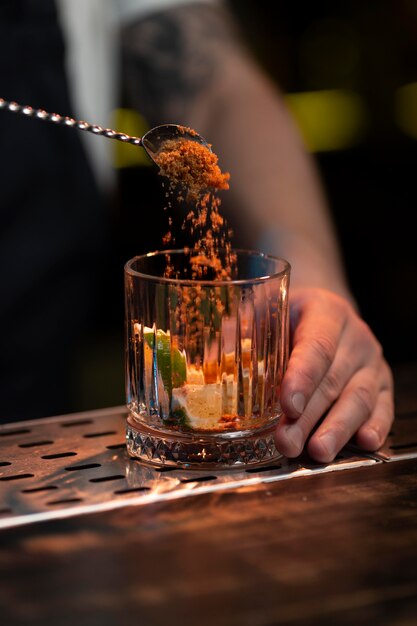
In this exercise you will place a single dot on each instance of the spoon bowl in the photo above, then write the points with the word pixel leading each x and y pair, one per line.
pixel 154 139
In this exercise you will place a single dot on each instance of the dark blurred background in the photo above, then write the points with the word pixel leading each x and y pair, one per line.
pixel 349 74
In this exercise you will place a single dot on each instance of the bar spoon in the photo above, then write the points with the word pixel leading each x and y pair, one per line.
pixel 152 141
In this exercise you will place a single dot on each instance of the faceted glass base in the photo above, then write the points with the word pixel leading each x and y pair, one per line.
pixel 191 451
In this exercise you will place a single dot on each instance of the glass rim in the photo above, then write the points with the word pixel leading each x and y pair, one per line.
pixel 205 282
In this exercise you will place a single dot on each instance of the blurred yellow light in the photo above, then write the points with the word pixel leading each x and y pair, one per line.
pixel 132 123
pixel 406 109
pixel 331 119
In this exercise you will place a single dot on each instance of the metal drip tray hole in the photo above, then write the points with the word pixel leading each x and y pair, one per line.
pixel 73 468
pixel 13 433
pixel 75 423
pixel 64 501
pixel 60 455
pixel 103 434
pixel 34 444
pixel 39 489
pixel 5 511
pixel 4 463
pixel 106 479
pixel 198 479
pixel 16 477
pixel 117 446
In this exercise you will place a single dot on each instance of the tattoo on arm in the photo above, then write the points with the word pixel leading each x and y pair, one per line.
pixel 171 58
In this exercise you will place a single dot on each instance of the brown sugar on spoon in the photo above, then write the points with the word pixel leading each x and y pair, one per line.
pixel 192 165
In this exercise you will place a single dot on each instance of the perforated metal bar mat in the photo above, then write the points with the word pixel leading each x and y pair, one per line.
pixel 75 464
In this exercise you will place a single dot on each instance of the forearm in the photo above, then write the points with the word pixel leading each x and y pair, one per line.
pixel 186 66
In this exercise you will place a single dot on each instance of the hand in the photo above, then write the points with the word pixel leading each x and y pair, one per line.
pixel 337 370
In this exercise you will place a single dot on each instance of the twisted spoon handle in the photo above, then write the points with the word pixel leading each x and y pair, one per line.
pixel 55 118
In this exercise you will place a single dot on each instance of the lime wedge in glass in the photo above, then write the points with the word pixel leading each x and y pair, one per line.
pixel 171 363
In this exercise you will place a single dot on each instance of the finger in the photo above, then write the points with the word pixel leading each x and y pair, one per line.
pixel 290 437
pixel 374 432
pixel 316 341
pixel 354 354
pixel 351 410
pixel 357 347
pixel 354 407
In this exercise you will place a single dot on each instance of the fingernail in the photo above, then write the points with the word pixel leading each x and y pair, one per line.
pixel 295 436
pixel 298 401
pixel 328 442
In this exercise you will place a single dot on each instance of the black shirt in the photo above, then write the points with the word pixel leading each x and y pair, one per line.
pixel 53 222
